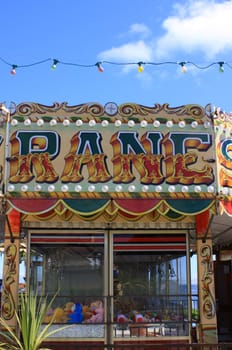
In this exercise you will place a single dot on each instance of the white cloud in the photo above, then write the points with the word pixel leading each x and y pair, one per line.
pixel 195 27
pixel 202 26
pixel 140 28
pixel 134 51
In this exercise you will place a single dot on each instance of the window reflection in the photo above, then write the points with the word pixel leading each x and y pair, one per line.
pixel 71 270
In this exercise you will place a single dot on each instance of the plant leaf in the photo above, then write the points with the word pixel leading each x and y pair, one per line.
pixel 30 316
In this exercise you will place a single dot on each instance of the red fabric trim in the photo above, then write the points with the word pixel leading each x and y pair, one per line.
pixel 150 238
pixel 148 247
pixel 65 240
pixel 33 205
pixel 137 205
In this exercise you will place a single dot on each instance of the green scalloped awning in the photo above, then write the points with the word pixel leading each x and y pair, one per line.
pixel 86 206
pixel 189 206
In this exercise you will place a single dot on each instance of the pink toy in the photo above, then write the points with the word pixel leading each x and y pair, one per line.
pixel 98 313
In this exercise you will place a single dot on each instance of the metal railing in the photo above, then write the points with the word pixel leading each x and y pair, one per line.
pixel 165 328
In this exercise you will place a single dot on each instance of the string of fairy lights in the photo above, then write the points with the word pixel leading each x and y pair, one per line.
pixel 100 65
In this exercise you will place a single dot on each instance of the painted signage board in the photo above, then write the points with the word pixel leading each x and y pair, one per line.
pixel 123 151
pixel 223 145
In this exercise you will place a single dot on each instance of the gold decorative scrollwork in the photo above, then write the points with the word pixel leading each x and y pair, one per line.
pixel 127 110
pixel 95 109
pixel 132 109
pixel 194 111
pixel 27 109
pixel 208 299
pixel 8 304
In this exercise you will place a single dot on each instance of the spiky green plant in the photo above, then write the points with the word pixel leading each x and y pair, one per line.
pixel 31 334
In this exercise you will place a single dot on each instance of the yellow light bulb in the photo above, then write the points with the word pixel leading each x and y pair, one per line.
pixel 140 68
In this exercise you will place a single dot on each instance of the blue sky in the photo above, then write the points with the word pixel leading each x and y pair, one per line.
pixel 119 31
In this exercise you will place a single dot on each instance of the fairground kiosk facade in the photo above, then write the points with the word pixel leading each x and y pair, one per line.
pixel 106 205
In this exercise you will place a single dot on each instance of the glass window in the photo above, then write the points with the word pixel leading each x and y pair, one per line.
pixel 150 277
pixel 75 272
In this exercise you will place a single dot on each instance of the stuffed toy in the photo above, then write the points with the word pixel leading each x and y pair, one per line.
pixel 68 310
pixel 118 289
pixel 115 271
pixel 155 318
pixel 121 318
pixel 98 312
pixel 87 312
pixel 166 315
pixel 48 317
pixel 58 315
pixel 137 317
pixel 76 316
